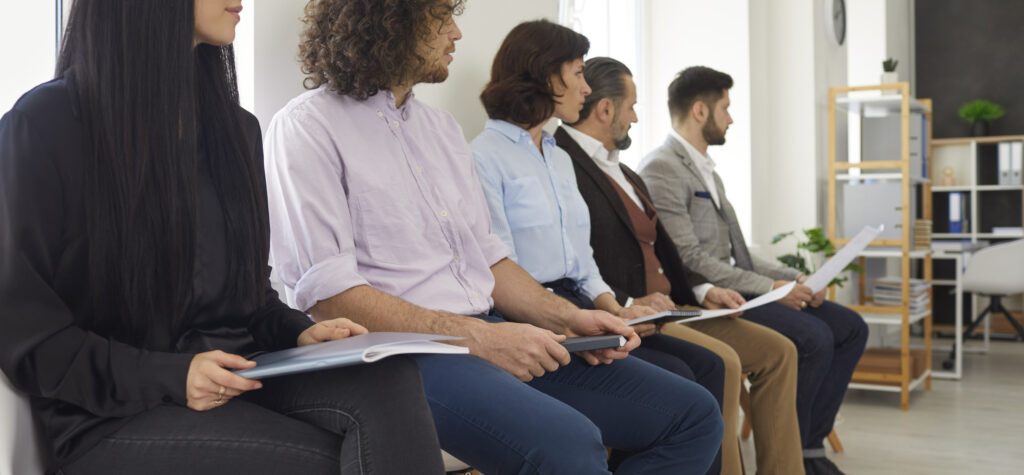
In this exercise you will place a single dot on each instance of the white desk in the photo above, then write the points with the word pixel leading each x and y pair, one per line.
pixel 958 258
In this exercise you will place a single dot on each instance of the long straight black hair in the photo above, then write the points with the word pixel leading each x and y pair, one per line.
pixel 153 107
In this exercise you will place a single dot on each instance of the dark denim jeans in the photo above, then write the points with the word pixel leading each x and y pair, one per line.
pixel 367 419
pixel 689 360
pixel 560 423
pixel 829 342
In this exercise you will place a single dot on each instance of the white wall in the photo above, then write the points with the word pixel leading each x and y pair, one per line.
pixel 792 66
pixel 484 24
pixel 684 33
pixel 266 56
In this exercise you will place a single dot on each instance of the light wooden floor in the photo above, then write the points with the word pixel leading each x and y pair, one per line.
pixel 971 426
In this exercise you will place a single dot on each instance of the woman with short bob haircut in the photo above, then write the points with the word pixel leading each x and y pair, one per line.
pixel 133 276
pixel 539 213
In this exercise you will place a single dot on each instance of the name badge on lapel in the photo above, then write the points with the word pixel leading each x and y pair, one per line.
pixel 702 194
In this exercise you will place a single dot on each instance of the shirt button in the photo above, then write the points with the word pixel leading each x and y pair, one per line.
pixel 419 170
pixel 380 114
pixel 652 243
pixel 456 258
pixel 394 123
pixel 475 295
pixel 444 213
pixel 661 271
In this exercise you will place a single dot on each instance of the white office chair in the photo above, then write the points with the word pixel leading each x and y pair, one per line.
pixel 996 271
pixel 20 452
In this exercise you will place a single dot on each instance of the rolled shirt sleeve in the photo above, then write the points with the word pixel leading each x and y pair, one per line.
pixel 312 247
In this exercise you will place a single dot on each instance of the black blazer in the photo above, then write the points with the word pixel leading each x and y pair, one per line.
pixel 616 250
pixel 82 383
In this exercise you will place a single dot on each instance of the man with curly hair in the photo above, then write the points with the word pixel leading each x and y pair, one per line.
pixel 377 215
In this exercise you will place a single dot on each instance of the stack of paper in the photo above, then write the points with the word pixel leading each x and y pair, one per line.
pixel 922 234
pixel 888 291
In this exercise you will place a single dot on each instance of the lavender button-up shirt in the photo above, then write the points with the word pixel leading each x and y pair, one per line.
pixel 363 193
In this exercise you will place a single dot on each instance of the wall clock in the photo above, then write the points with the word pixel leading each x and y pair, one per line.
pixel 835 20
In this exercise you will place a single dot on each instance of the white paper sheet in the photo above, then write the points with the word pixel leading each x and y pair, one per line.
pixel 766 298
pixel 838 262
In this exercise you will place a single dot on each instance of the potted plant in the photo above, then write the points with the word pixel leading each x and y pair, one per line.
pixel 816 248
pixel 889 75
pixel 979 113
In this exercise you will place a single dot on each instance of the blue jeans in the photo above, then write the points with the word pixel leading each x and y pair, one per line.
pixel 560 422
pixel 829 342
pixel 689 360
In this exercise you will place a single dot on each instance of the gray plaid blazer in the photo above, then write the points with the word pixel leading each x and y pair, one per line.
pixel 705 235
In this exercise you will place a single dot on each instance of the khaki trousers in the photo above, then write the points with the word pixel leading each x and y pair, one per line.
pixel 770 359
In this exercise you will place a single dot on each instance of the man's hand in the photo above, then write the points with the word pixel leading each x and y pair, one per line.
pixel 522 349
pixel 637 311
pixel 718 297
pixel 598 322
pixel 327 330
pixel 658 301
pixel 819 298
pixel 796 299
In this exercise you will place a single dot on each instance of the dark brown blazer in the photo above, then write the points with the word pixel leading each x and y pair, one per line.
pixel 613 239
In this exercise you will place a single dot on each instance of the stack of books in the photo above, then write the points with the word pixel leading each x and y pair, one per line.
pixel 922 234
pixel 888 291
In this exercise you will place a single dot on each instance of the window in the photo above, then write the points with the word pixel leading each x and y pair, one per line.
pixel 29 32
pixel 659 38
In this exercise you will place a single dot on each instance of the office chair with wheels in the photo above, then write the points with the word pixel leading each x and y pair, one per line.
pixel 996 272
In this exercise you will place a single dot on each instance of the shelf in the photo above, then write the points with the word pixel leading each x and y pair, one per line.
pixel 891 388
pixel 1000 187
pixel 943 281
pixel 890 103
pixel 998 236
pixel 938 189
pixel 916 180
pixel 888 318
pixel 969 140
pixel 894 252
pixel 951 236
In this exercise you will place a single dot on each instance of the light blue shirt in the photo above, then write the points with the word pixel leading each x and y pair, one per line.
pixel 536 208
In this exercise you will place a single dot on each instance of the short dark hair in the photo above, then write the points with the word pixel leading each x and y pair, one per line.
pixel 358 47
pixel 520 89
pixel 606 78
pixel 696 83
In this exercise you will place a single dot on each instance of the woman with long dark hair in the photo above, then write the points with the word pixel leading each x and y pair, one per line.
pixel 133 250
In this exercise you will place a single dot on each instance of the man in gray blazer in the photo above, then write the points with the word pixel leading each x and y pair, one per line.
pixel 691 203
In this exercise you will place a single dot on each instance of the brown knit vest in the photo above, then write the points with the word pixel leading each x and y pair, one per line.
pixel 646 232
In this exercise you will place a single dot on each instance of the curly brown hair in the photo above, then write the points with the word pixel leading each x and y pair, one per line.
pixel 358 47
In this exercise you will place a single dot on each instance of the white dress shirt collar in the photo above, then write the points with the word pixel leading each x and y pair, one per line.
pixel 705 164
pixel 607 161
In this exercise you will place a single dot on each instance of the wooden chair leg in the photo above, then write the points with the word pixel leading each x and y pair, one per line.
pixel 833 440
pixel 746 427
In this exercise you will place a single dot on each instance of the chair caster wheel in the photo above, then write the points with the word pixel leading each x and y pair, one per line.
pixel 947 364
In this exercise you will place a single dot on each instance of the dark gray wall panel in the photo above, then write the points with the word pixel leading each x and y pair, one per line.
pixel 971 49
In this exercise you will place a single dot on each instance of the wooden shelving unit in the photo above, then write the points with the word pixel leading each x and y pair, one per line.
pixel 973 161
pixel 903 379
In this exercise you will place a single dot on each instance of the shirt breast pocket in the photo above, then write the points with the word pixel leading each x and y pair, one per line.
pixel 526 204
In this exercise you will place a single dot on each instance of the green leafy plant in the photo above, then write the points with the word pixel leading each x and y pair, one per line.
pixel 889 65
pixel 802 258
pixel 980 111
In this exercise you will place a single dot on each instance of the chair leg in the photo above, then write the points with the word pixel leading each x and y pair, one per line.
pixel 1016 325
pixel 833 440
pixel 746 427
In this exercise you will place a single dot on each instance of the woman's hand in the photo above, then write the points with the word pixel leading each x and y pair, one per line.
pixel 210 384
pixel 328 330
